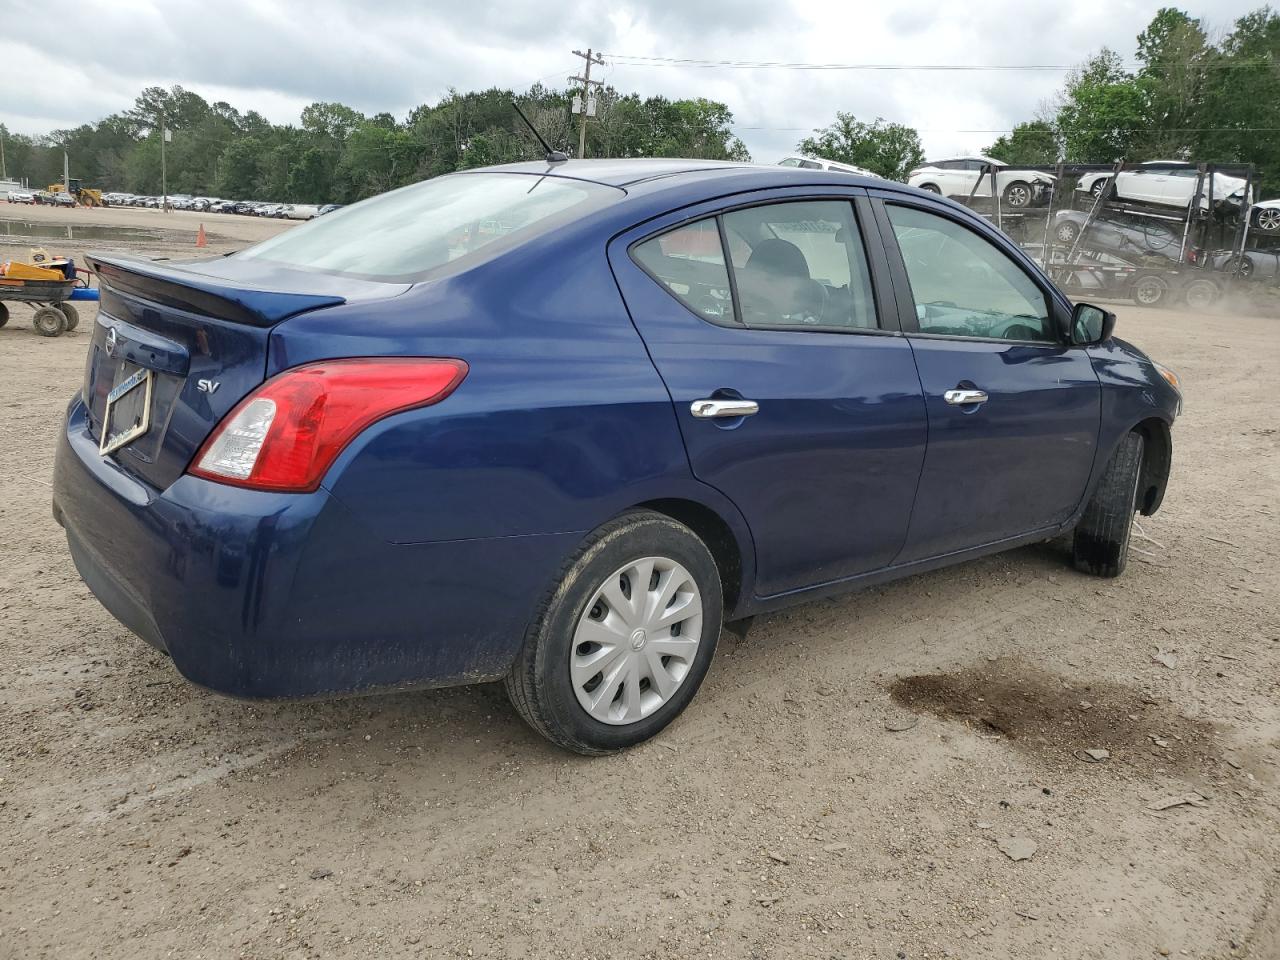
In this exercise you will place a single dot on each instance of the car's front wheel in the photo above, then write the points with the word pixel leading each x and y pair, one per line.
pixel 1101 542
pixel 621 643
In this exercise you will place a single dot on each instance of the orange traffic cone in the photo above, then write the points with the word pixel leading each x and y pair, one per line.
pixel 201 239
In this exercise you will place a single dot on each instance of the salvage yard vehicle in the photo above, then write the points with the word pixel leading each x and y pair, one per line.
pixel 1115 232
pixel 970 177
pixel 1249 264
pixel 817 163
pixel 1165 183
pixel 1266 216
pixel 388 449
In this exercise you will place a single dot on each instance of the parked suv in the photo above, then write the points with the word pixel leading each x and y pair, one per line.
pixel 1168 183
pixel 970 176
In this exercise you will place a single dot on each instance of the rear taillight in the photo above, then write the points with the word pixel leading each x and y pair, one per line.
pixel 288 432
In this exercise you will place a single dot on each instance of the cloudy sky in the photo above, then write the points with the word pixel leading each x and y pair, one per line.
pixel 276 56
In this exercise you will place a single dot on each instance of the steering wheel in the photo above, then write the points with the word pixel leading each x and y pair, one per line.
pixel 813 302
pixel 1021 331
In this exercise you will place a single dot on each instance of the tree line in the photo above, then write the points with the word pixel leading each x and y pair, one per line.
pixel 337 154
pixel 1189 96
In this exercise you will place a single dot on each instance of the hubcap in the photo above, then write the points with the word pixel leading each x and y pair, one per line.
pixel 636 641
pixel 1269 219
pixel 1018 196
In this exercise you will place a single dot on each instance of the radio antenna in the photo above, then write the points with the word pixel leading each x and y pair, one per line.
pixel 553 156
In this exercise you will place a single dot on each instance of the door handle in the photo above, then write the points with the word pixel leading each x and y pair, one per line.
pixel 961 398
pixel 710 409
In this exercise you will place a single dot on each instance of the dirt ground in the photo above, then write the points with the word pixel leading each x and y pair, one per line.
pixel 842 787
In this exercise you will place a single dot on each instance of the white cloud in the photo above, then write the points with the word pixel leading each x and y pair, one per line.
pixel 387 55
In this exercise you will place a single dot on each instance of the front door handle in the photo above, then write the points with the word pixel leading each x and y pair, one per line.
pixel 710 409
pixel 962 398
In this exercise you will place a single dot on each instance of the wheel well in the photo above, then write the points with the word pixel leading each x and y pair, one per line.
pixel 1157 455
pixel 715 533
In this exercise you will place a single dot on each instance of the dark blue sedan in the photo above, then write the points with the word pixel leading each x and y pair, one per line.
pixel 556 423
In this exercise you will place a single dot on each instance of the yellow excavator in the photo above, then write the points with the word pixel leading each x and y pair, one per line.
pixel 85 196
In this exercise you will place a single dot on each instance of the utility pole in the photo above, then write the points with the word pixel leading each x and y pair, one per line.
pixel 66 173
pixel 4 171
pixel 588 101
pixel 164 170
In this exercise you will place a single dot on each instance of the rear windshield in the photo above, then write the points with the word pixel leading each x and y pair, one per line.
pixel 408 234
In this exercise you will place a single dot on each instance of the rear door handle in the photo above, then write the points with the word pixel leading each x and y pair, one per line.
pixel 961 398
pixel 710 409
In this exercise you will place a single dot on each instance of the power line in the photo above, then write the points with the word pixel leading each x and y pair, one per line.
pixel 637 60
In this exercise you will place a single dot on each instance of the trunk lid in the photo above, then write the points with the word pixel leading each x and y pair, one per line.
pixel 176 346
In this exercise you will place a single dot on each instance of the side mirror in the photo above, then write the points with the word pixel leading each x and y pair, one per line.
pixel 1091 325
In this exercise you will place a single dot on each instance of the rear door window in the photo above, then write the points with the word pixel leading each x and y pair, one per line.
pixel 689 262
pixel 800 264
pixel 796 265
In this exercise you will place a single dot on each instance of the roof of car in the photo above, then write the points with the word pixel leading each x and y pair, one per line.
pixel 630 173
pixel 617 173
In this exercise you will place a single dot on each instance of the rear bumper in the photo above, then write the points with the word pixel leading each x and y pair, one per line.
pixel 288 595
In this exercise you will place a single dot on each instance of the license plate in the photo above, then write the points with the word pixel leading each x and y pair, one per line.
pixel 128 412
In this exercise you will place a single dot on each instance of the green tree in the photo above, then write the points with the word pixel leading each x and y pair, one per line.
pixel 1173 53
pixel 1101 111
pixel 888 149
pixel 1240 107
pixel 1033 143
pixel 311 177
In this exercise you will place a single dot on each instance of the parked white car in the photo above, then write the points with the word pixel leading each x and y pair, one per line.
pixel 817 163
pixel 301 211
pixel 1168 183
pixel 21 196
pixel 1266 215
pixel 957 177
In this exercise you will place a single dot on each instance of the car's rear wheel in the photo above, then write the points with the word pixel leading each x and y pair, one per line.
pixel 620 645
pixel 4 314
pixel 1017 194
pixel 1101 542
pixel 1066 232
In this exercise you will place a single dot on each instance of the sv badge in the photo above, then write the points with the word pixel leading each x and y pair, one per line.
pixel 208 386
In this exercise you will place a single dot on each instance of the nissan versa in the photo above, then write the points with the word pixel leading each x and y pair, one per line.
pixel 556 423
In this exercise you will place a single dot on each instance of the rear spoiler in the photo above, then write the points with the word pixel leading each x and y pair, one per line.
pixel 193 292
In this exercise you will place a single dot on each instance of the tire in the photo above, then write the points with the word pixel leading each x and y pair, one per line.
pixel 1100 545
pixel 71 313
pixel 930 188
pixel 1066 232
pixel 1150 291
pixel 4 314
pixel 49 321
pixel 1099 189
pixel 541 683
pixel 1267 219
pixel 1017 195
pixel 1200 294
